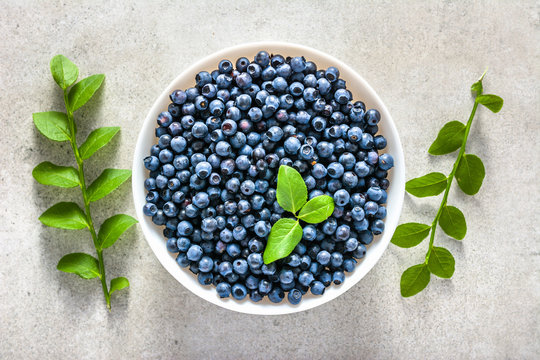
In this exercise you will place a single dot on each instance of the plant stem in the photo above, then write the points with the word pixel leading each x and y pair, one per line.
pixel 80 166
pixel 449 181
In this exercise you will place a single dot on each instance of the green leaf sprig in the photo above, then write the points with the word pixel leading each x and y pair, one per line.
pixel 60 126
pixel 469 172
pixel 292 195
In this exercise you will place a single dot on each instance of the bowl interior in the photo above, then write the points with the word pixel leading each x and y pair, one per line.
pixel 360 90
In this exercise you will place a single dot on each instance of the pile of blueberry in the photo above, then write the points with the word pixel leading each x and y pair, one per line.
pixel 213 175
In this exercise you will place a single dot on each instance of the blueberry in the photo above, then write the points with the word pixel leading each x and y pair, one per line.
pixel 255 261
pixel 206 264
pixel 317 288
pixel 298 64
pixel 276 295
pixel 372 117
pixel 341 197
pixel 151 163
pixel 365 237
pixel 335 170
pixel 229 127
pixel 381 213
pixel 261 228
pixel 252 282
pixel 279 84
pixel 360 251
pixel 338 277
pixel 377 227
pixel 240 266
pixel 293 260
pixel 165 156
pixel 349 265
pixel 150 209
pixel 325 149
pixel 318 123
pixel 223 148
pixel 264 287
pixel 225 268
pixel 351 244
pixel 239 291
pixel 183 244
pixel 296 88
pixel 185 228
pixel 329 226
pixel 361 225
pixel 242 64
pixel 170 209
pixel 182 260
pixel 178 97
pixel 386 162
pixel 366 141
pixel 294 296
pixel 306 152
pixel 362 169
pixel 323 257
pixel 262 58
pixel 164 119
pixel 343 232
pixel 272 103
pixel 309 233
pixel 269 269
pixel 310 94
pixel 268 74
pixel 302 117
pixel 223 289
pixel 223 81
pixel 370 208
pixel 194 253
pixel 305 278
pixel 331 74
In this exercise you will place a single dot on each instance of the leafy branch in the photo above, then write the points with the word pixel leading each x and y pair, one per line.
pixel 291 194
pixel 469 172
pixel 60 126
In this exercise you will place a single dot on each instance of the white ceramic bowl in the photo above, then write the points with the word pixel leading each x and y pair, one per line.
pixel 360 90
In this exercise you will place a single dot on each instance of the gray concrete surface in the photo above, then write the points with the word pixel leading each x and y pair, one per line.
pixel 421 57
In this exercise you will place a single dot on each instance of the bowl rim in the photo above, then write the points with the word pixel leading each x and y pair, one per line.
pixel 397 184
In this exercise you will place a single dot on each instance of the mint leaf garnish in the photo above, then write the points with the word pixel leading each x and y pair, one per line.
pixel 292 196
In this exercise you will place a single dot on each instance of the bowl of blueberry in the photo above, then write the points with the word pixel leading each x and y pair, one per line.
pixel 205 177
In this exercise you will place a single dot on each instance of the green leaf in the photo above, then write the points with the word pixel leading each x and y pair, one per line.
pixel 477 86
pixel 48 173
pixel 414 280
pixel 428 185
pixel 107 182
pixel 64 72
pixel 291 189
pixel 284 236
pixel 84 90
pixel 452 221
pixel 410 234
pixel 492 102
pixel 470 174
pixel 53 124
pixel 317 209
pixel 112 228
pixel 96 140
pixel 441 263
pixel 82 264
pixel 118 283
pixel 449 138
pixel 64 215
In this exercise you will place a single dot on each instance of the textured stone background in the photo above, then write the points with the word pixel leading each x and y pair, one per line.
pixel 421 57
